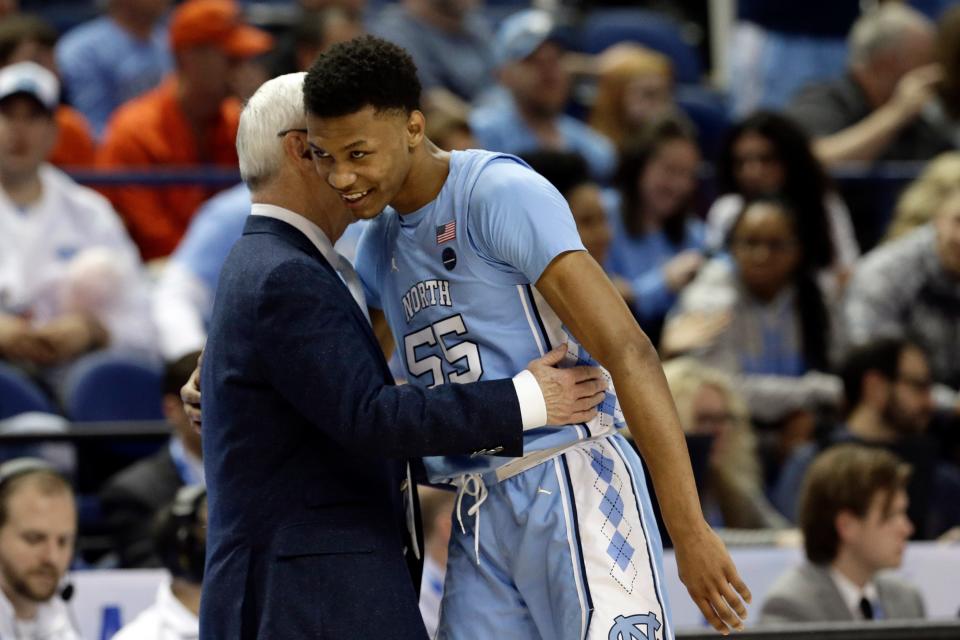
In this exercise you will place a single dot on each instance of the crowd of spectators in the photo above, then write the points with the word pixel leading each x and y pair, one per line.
pixel 784 334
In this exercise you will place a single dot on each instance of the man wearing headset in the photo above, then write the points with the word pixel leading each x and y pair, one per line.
pixel 38 527
pixel 181 542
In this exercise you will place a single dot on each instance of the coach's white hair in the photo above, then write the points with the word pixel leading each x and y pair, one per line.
pixel 883 28
pixel 276 106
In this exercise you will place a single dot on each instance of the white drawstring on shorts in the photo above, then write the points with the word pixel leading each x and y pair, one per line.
pixel 472 484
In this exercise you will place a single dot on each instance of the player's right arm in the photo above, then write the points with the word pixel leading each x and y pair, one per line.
pixel 517 219
pixel 587 302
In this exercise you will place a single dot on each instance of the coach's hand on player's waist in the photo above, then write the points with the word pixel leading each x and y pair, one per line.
pixel 711 578
pixel 190 395
pixel 571 394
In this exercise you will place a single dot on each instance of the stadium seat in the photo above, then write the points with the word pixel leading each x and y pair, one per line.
pixel 108 386
pixel 18 394
pixel 605 27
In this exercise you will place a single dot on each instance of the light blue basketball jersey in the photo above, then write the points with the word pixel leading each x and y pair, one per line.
pixel 455 280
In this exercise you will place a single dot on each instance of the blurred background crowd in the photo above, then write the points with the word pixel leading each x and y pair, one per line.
pixel 774 188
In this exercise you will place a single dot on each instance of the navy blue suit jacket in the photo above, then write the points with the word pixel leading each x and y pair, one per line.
pixel 304 444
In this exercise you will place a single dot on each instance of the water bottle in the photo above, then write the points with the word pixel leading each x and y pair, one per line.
pixel 110 622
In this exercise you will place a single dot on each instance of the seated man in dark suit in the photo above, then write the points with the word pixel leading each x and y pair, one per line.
pixel 131 497
pixel 304 433
pixel 853 514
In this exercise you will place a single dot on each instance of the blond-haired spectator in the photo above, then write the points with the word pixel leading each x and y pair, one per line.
pixel 910 288
pixel 708 405
pixel 634 87
pixel 920 201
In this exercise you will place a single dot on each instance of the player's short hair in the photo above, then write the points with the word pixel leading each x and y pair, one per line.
pixel 364 72
pixel 846 477
pixel 882 29
pixel 275 107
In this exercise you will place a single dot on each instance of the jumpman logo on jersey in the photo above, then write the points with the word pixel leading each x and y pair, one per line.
pixel 625 628
pixel 393 263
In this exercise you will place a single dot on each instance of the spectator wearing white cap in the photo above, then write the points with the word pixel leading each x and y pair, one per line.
pixel 70 278
pixel 532 118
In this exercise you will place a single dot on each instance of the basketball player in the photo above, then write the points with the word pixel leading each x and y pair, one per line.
pixel 478 266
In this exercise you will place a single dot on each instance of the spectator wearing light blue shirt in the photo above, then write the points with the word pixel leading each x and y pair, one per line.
pixel 530 117
pixel 183 300
pixel 451 46
pixel 657 241
pixel 111 59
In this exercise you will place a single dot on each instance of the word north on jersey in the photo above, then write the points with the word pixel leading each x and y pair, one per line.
pixel 427 293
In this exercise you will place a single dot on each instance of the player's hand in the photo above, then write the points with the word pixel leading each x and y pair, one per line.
pixel 190 395
pixel 571 394
pixel 712 580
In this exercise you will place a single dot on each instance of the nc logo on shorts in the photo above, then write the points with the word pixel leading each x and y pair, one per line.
pixel 627 628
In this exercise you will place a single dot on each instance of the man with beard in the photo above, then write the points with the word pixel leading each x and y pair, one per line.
pixel 38 527
pixel 450 43
pixel 887 385
pixel 530 117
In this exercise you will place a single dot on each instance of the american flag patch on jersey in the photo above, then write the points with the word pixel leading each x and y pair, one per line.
pixel 447 232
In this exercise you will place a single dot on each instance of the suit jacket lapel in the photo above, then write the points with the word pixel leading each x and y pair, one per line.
pixel 293 236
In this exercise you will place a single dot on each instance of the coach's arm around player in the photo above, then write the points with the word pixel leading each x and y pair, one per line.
pixel 570 395
pixel 587 302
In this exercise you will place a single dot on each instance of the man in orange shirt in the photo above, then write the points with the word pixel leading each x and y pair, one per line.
pixel 190 119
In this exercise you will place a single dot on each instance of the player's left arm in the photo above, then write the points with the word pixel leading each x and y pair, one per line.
pixel 587 302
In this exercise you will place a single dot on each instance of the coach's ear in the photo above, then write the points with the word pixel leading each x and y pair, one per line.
pixel 416 129
pixel 295 146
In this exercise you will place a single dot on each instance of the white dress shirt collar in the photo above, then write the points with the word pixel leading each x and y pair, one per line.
pixel 314 233
pixel 852 594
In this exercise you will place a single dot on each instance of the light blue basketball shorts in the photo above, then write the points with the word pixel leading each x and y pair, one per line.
pixel 568 549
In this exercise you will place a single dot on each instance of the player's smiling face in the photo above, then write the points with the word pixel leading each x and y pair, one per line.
pixel 365 156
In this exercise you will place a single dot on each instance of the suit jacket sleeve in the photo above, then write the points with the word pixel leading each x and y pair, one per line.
pixel 320 358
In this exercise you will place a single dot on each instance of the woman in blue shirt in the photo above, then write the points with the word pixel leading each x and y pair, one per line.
pixel 657 243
